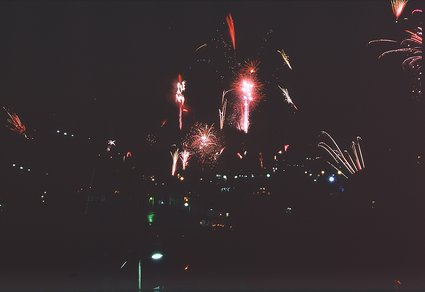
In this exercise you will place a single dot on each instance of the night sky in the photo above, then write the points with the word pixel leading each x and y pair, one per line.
pixel 108 69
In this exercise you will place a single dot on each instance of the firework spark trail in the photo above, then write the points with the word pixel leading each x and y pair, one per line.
pixel 231 26
pixel 360 150
pixel 181 87
pixel 222 111
pixel 184 157
pixel 15 123
pixel 334 155
pixel 200 47
pixel 139 279
pixel 260 157
pixel 222 114
pixel 175 157
pixel 353 147
pixel 287 97
pixel 337 169
pixel 352 161
pixel 339 157
pixel 410 49
pixel 285 57
pixel 398 7
pixel 247 97
pixel 122 266
pixel 340 152
pixel 126 156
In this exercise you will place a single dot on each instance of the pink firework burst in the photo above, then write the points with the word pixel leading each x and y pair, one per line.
pixel 247 90
pixel 204 143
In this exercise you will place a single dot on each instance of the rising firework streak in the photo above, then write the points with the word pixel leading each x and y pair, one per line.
pixel 247 97
pixel 231 26
pixel 222 111
pixel 184 157
pixel 175 158
pixel 287 97
pixel 285 57
pixel 181 87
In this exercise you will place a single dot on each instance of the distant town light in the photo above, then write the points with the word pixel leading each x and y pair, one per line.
pixel 186 204
pixel 331 179
pixel 268 175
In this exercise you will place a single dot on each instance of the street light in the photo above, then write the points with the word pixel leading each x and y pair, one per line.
pixel 156 256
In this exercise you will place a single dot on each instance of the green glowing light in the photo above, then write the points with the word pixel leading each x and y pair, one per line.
pixel 150 217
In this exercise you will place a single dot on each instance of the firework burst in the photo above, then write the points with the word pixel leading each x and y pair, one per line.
pixel 344 161
pixel 204 143
pixel 251 66
pixel 410 49
pixel 398 7
pixel 15 123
